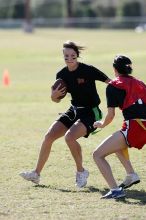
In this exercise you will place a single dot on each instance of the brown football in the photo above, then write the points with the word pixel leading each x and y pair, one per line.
pixel 62 85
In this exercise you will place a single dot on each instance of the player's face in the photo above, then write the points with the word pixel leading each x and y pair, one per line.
pixel 70 57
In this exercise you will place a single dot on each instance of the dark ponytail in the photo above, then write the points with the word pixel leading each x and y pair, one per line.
pixel 122 64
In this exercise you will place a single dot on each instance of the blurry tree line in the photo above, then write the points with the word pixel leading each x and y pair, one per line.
pixel 69 8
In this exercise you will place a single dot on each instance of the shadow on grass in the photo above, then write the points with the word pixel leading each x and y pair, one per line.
pixel 86 189
pixel 139 196
pixel 132 197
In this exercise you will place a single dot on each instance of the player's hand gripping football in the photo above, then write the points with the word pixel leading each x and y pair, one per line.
pixel 57 93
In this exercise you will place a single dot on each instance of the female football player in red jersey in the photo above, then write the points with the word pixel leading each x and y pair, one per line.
pixel 129 94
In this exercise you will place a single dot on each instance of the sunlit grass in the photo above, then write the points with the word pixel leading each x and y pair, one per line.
pixel 26 111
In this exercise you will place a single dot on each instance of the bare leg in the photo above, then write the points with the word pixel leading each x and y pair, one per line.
pixel 56 131
pixel 112 144
pixel 124 159
pixel 76 131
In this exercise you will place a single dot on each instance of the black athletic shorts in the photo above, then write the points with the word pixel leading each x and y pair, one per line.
pixel 85 115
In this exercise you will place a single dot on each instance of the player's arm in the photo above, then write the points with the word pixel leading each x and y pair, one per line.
pixel 107 81
pixel 99 75
pixel 108 119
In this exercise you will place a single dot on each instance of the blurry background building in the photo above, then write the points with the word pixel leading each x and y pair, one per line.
pixel 72 13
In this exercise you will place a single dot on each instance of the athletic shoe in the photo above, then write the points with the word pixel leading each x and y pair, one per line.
pixel 130 180
pixel 81 178
pixel 31 176
pixel 114 194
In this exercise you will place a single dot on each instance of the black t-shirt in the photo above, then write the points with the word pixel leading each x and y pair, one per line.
pixel 81 84
pixel 115 98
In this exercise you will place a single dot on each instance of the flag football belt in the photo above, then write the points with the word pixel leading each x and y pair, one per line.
pixel 139 121
pixel 75 112
pixel 96 110
pixel 98 116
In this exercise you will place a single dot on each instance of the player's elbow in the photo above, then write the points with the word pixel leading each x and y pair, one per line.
pixel 111 117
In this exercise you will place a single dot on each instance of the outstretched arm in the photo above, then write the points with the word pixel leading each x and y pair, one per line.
pixel 107 81
pixel 108 119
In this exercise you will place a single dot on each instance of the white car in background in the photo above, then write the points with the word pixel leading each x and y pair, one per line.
pixel 140 28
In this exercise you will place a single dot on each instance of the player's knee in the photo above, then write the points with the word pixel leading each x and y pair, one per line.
pixel 96 155
pixel 49 137
pixel 68 137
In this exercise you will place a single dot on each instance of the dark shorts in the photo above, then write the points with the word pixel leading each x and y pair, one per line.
pixel 134 131
pixel 83 114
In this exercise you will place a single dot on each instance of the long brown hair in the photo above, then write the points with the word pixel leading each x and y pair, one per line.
pixel 74 46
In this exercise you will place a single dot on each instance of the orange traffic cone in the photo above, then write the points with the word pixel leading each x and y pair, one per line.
pixel 6 78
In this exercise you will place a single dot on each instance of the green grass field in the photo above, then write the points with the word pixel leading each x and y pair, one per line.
pixel 26 111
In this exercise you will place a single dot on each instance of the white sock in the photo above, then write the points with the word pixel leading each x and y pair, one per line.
pixel 117 188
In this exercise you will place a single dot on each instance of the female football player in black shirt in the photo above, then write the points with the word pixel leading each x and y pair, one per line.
pixel 78 120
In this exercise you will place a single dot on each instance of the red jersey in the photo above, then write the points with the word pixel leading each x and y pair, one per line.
pixel 135 89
